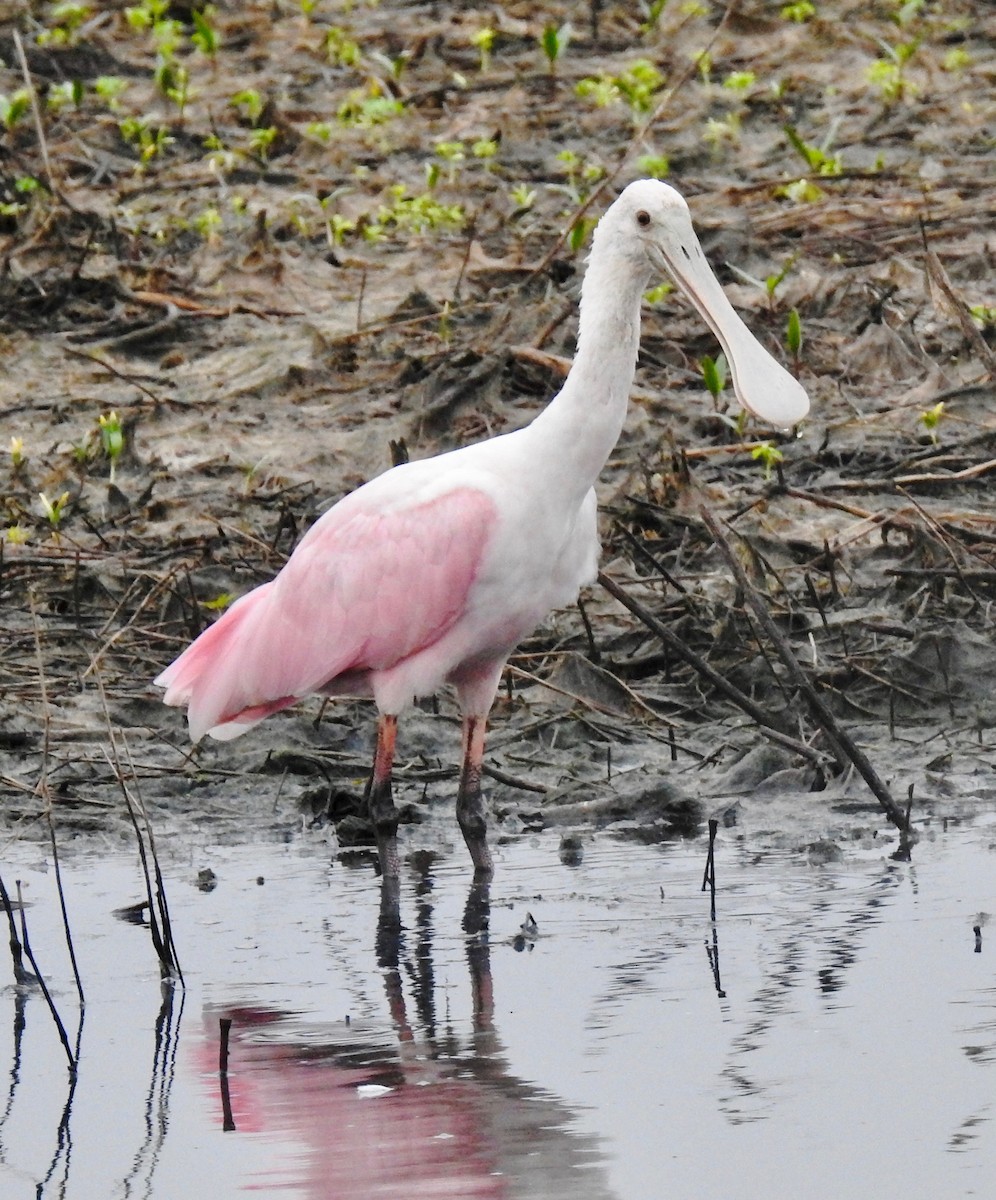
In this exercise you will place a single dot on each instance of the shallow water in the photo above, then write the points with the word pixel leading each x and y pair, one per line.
pixel 833 1035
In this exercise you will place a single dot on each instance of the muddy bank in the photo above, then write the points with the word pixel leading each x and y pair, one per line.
pixel 275 253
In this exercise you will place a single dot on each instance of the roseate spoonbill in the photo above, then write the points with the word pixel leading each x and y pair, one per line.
pixel 432 572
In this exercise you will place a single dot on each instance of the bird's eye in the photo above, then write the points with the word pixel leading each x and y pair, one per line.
pixel 643 218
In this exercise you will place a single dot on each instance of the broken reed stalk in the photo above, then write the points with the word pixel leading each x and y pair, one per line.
pixel 160 927
pixel 16 953
pixel 44 791
pixel 732 693
pixel 709 878
pixel 841 744
pixel 26 943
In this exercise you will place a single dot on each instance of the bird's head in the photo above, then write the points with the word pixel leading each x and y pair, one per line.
pixel 650 229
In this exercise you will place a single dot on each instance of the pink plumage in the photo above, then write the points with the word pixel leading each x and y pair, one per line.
pixel 365 590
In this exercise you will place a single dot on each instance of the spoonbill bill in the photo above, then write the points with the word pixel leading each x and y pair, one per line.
pixel 433 572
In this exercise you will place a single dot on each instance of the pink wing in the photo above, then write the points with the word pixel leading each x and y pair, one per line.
pixel 363 591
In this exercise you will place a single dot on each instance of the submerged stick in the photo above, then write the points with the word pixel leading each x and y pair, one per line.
pixel 842 745
pixel 709 878
pixel 26 943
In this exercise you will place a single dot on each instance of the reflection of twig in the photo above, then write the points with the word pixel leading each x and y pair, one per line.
pixel 157 1101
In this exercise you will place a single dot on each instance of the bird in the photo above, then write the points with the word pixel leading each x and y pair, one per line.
pixel 431 573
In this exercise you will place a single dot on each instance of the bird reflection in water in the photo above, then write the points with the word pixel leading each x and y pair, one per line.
pixel 407 1108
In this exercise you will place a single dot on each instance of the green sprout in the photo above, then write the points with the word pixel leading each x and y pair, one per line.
pixel 580 230
pixel 261 139
pixel 15 107
pixel 655 166
pixel 340 48
pixel 816 158
pixel 888 74
pixel 554 43
pixel 111 438
pixel 799 12
pixel 984 315
pixel 483 39
pixel 66 22
pixel 522 196
pixel 149 142
pixel 740 81
pixel 220 602
pixel 722 131
pixel 62 95
pixel 956 60
pixel 205 37
pixel 17 456
pixel 249 103
pixel 657 294
pixel 207 223
pixel 714 374
pixel 109 88
pixel 53 509
pixel 16 535
pixel 775 280
pixel 362 110
pixel 768 455
pixel 793 335
pixel 931 419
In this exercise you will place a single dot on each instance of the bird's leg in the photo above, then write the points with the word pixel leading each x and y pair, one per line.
pixel 470 801
pixel 380 803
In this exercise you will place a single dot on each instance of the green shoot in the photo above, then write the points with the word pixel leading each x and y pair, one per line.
pixel 53 509
pixel 931 419
pixel 111 438
pixel 62 95
pixel 816 158
pixel 15 107
pixel 793 335
pixel 66 22
pixel 888 74
pixel 523 197
pixel 483 39
pixel 249 103
pixel 714 374
pixel 17 456
pixel 109 88
pixel 768 455
pixel 340 48
pixel 740 81
pixel 578 235
pixel 205 36
pixel 16 535
pixel 657 294
pixel 654 166
pixel 773 282
pixel 261 139
pixel 800 12
pixel 554 42
pixel 220 602
pixel 148 142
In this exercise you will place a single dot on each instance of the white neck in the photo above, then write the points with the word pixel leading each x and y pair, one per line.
pixel 582 423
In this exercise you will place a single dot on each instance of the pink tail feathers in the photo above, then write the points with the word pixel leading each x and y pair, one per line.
pixel 218 676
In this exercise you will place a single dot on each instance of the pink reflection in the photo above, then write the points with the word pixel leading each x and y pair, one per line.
pixel 385 1113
